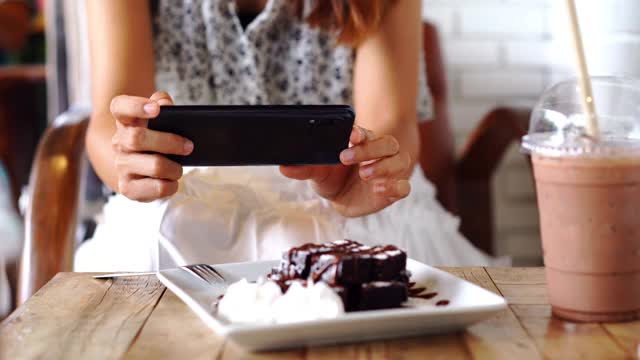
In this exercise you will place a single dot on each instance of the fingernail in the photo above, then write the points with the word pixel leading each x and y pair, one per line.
pixel 347 155
pixel 188 146
pixel 366 172
pixel 150 108
pixel 403 187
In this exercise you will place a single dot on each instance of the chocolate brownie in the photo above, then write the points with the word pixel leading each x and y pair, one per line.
pixel 382 295
pixel 342 268
pixel 365 277
pixel 388 262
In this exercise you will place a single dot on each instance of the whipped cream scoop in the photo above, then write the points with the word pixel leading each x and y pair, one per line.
pixel 264 302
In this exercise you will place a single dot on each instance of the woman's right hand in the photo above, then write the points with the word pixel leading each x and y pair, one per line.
pixel 144 174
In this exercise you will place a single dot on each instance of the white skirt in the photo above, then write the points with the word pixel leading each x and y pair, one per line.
pixel 231 214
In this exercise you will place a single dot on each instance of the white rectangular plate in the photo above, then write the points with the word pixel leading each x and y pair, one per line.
pixel 468 304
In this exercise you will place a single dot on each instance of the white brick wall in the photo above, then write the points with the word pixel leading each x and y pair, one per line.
pixel 502 52
pixel 477 19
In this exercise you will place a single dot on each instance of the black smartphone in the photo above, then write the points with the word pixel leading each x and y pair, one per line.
pixel 259 135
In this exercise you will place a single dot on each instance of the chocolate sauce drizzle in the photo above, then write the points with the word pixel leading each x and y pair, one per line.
pixel 427 296
pixel 418 292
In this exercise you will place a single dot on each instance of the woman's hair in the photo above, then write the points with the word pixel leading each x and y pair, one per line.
pixel 354 20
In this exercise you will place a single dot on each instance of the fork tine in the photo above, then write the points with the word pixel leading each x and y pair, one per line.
pixel 194 270
pixel 211 271
pixel 204 272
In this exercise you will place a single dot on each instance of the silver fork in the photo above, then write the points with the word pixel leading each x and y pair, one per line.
pixel 212 277
pixel 202 271
pixel 205 272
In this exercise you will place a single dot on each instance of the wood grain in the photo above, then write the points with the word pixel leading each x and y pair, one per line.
pixel 231 351
pixel 501 337
pixel 167 336
pixel 517 275
pixel 525 290
pixel 626 335
pixel 419 347
pixel 522 285
pixel 564 340
pixel 429 347
pixel 77 317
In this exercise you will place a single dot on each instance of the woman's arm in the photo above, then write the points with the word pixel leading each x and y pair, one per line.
pixel 118 141
pixel 386 77
pixel 121 63
pixel 375 170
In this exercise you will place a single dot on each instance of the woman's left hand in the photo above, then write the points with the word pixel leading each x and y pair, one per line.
pixel 373 174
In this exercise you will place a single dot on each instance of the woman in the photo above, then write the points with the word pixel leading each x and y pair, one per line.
pixel 360 52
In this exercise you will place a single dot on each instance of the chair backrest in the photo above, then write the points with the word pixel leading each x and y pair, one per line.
pixel 437 152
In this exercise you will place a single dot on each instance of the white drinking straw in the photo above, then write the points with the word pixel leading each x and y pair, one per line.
pixel 584 81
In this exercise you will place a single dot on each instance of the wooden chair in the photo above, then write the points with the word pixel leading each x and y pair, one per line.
pixel 463 182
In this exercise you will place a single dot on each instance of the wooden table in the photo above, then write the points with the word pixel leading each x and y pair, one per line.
pixel 75 316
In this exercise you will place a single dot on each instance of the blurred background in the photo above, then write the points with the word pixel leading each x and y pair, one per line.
pixel 496 52
pixel 506 52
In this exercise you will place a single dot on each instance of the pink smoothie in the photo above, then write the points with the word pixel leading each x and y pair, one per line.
pixel 590 225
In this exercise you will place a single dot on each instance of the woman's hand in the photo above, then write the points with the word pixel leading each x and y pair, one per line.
pixel 144 174
pixel 373 175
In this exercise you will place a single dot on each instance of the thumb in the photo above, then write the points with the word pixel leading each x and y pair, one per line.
pixel 162 98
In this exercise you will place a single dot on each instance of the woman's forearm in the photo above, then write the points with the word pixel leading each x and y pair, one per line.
pixel 98 142
pixel 386 73
pixel 122 62
pixel 407 135
pixel 409 139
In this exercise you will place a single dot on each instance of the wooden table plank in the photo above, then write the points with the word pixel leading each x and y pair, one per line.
pixel 168 336
pixel 231 351
pixel 517 275
pixel 419 347
pixel 77 317
pixel 521 285
pixel 565 340
pixel 525 289
pixel 429 347
pixel 627 335
pixel 501 337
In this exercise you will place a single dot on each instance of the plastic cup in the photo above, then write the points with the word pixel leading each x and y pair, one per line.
pixel 588 193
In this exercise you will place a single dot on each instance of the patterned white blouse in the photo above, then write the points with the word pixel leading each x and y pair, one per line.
pixel 231 214
pixel 205 56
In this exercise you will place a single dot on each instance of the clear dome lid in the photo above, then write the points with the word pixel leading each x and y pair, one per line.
pixel 558 123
